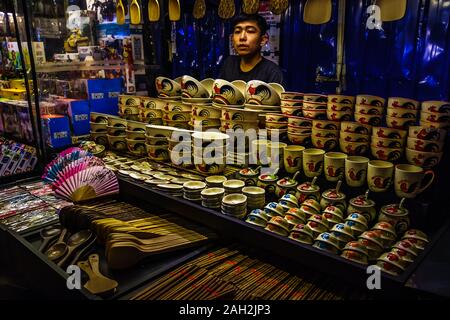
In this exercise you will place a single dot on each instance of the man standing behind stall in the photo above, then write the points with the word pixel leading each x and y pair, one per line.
pixel 249 36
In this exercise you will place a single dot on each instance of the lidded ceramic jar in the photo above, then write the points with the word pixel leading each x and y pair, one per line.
pixel 268 182
pixel 396 215
pixel 249 176
pixel 286 185
pixel 363 205
pixel 333 197
pixel 308 190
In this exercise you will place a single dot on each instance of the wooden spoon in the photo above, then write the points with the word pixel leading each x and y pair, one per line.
pixel 153 11
pixel 97 283
pixel 48 234
pixel 317 11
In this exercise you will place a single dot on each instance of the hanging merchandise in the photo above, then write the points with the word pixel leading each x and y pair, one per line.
pixel 135 12
pixel 120 13
pixel 226 9
pixel 278 6
pixel 317 11
pixel 199 9
pixel 250 6
pixel 392 10
pixel 174 10
pixel 153 10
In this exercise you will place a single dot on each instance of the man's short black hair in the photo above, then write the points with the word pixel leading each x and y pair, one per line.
pixel 260 21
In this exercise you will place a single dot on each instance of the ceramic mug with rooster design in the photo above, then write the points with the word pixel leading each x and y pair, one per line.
pixel 259 92
pixel 313 162
pixel 379 175
pixel 292 158
pixel 334 165
pixel 409 180
pixel 227 93
pixel 356 170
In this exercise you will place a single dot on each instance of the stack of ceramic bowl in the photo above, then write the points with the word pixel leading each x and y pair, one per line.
pixel 435 114
pixel 177 114
pixel 215 181
pixel 116 133
pixel 205 117
pixel 231 94
pixel 210 151
pixel 192 190
pixel 129 107
pixel 425 146
pixel 233 186
pixel 136 138
pixel 263 97
pixel 354 138
pixel 314 106
pixel 340 107
pixel 402 112
pixel 257 217
pixel 299 130
pixel 150 110
pixel 234 205
pixel 157 141
pixel 278 225
pixel 212 197
pixel 277 122
pixel 194 91
pixel 180 148
pixel 291 103
pixel 168 88
pixel 326 139
pixel 98 124
pixel 369 109
pixel 387 143
pixel 233 118
pixel 255 197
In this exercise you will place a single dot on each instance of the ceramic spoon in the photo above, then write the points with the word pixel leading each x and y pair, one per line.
pixel 153 10
pixel 317 11
pixel 58 249
pixel 120 13
pixel 74 242
pixel 48 234
pixel 135 12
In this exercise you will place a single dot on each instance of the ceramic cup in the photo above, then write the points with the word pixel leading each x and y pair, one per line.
pixel 292 158
pixel 334 163
pixel 379 175
pixel 409 180
pixel 356 170
pixel 313 162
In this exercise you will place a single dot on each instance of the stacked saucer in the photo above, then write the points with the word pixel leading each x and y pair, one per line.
pixel 255 197
pixel 234 205
pixel 233 186
pixel 212 197
pixel 192 190
pixel 175 190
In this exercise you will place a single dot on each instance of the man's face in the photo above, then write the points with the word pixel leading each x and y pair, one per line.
pixel 247 38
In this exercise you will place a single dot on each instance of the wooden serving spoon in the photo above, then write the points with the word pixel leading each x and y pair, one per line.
pixel 97 283
pixel 317 11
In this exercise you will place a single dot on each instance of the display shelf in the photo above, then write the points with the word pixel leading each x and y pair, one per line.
pixel 53 67
pixel 234 229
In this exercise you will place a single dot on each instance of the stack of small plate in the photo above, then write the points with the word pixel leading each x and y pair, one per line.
pixel 175 190
pixel 212 197
pixel 255 197
pixel 234 205
pixel 192 190
pixel 233 186
pixel 215 181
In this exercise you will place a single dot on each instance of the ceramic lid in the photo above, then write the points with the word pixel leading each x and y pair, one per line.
pixel 248 172
pixel 334 211
pixel 328 238
pixel 393 258
pixel 287 182
pixel 308 187
pixel 416 234
pixel 280 222
pixel 268 177
pixel 356 246
pixel 394 210
pixel 343 228
pixel 357 218
pixel 372 236
pixel 362 201
pixel 303 228
pixel 407 246
pixel 332 194
pixel 385 226
pixel 317 218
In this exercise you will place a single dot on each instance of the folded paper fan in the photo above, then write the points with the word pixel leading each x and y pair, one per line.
pixel 87 183
pixel 58 164
pixel 59 174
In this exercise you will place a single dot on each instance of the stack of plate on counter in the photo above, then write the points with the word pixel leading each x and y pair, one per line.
pixel 192 190
pixel 234 205
pixel 233 186
pixel 255 197
pixel 212 197
pixel 172 189
pixel 215 181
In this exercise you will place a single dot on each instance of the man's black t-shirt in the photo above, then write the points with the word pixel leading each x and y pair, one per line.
pixel 265 70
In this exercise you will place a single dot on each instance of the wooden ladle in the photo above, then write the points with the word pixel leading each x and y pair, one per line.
pixel 74 242
pixel 48 234
pixel 97 283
